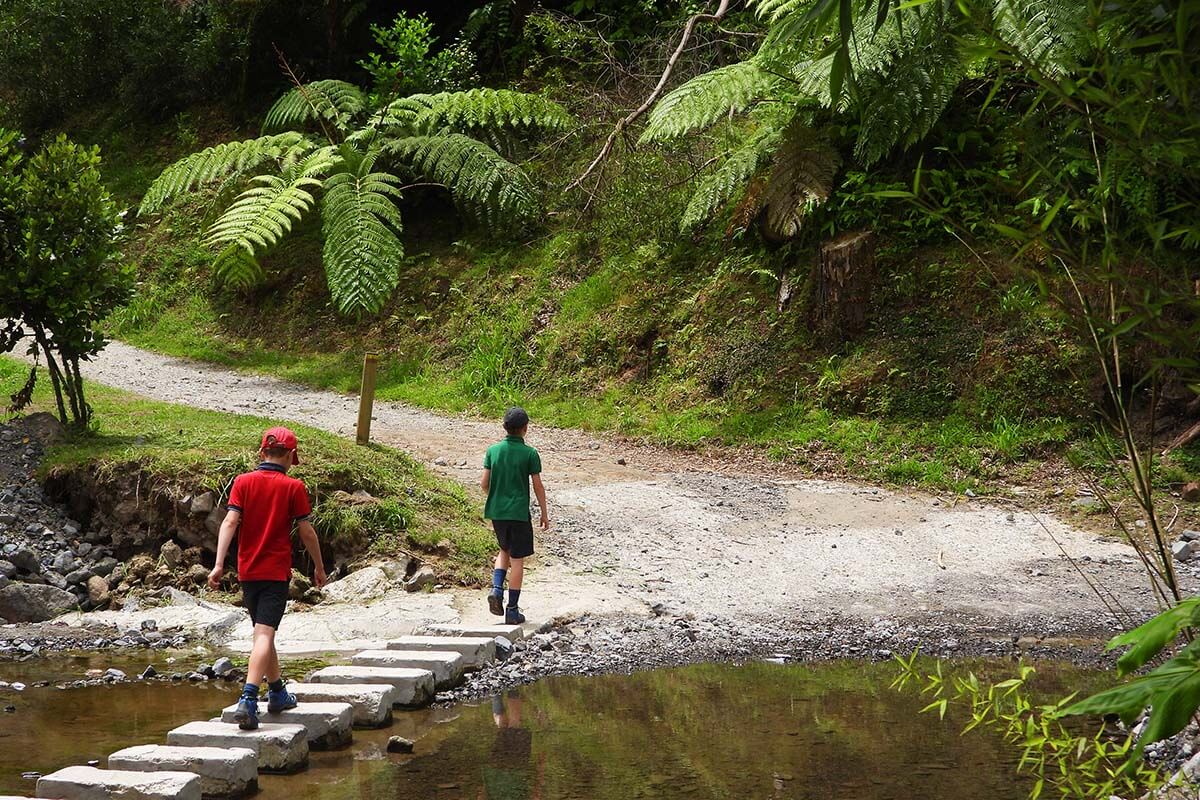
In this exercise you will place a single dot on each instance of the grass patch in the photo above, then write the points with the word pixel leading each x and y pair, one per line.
pixel 190 448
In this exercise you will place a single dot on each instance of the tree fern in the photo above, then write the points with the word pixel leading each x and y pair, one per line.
pixel 730 178
pixel 1046 33
pixel 220 162
pixel 332 101
pixel 488 108
pixel 801 178
pixel 482 181
pixel 705 99
pixel 262 215
pixel 362 251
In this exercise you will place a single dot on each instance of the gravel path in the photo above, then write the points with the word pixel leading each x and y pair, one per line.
pixel 712 535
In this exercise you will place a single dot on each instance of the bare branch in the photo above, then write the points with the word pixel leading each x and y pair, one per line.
pixel 650 100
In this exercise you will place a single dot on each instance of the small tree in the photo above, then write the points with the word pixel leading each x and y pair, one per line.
pixel 57 247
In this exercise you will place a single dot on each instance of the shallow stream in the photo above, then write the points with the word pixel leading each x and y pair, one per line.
pixel 759 731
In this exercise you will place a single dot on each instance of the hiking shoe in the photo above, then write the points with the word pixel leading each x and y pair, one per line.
pixel 496 602
pixel 280 701
pixel 513 616
pixel 246 715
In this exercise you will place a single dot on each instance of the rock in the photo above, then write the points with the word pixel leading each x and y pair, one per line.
pixel 197 575
pixel 65 562
pixel 4 581
pixel 222 667
pixel 299 586
pixel 8 569
pixel 148 672
pixel 89 783
pixel 223 772
pixel 27 602
pixel 1191 492
pixel 26 561
pixel 440 462
pixel 126 511
pixel 313 596
pixel 621 462
pixel 149 625
pixel 97 589
pixel 105 566
pixel 360 585
pixel 79 577
pixel 44 427
pixel 1190 536
pixel 395 568
pixel 1183 550
pixel 170 555
pixel 203 504
pixel 139 567
pixel 115 674
pixel 1085 502
pixel 212 523
pixel 398 744
pixel 422 578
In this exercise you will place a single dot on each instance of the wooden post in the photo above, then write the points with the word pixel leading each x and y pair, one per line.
pixel 366 398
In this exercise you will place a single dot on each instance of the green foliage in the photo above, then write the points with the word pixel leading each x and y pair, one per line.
pixel 407 64
pixel 801 179
pixel 356 176
pixel 725 182
pixel 1061 762
pixel 58 229
pixel 706 99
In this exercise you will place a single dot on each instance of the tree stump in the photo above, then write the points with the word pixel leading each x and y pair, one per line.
pixel 842 289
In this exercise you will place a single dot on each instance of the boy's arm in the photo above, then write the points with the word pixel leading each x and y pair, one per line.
pixel 229 527
pixel 308 536
pixel 540 490
pixel 486 480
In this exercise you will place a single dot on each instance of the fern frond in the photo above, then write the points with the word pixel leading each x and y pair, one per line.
pixel 1047 33
pixel 705 99
pixel 482 181
pixel 336 102
pixel 730 178
pixel 488 108
pixel 362 251
pixel 801 179
pixel 220 162
pixel 262 215
pixel 901 106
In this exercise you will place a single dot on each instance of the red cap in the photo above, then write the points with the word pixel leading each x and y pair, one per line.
pixel 281 437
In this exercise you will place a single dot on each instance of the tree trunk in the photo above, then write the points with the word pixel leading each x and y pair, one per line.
pixel 845 278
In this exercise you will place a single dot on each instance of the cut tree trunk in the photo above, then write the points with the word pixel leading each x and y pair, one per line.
pixel 844 280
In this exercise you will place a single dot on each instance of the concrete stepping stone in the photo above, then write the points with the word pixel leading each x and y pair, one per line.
pixel 280 748
pixel 446 665
pixel 514 633
pixel 224 772
pixel 475 650
pixel 90 783
pixel 328 724
pixel 371 702
pixel 413 687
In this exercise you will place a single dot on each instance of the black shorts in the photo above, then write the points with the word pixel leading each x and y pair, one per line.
pixel 266 601
pixel 515 536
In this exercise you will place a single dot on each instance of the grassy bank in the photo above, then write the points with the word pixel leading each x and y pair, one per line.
pixel 190 448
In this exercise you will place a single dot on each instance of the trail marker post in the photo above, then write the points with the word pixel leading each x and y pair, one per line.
pixel 366 398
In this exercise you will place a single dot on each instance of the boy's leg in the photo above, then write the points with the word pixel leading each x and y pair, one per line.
pixel 512 614
pixel 496 596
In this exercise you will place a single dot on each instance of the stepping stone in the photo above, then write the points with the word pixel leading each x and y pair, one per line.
pixel 446 665
pixel 280 748
pixel 413 687
pixel 89 783
pixel 372 702
pixel 328 724
pixel 476 651
pixel 514 633
pixel 224 772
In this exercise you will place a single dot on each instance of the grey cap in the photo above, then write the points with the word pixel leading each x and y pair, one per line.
pixel 515 419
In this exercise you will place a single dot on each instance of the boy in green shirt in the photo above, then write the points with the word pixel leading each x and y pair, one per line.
pixel 508 469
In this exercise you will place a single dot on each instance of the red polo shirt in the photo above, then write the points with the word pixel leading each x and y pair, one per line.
pixel 270 502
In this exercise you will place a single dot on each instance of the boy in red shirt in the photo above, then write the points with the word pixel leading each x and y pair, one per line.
pixel 263 504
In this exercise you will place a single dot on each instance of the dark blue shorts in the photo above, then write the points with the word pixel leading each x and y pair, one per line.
pixel 515 536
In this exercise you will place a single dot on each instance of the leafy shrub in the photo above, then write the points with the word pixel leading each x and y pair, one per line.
pixel 407 64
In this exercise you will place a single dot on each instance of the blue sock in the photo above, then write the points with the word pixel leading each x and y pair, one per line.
pixel 498 579
pixel 250 690
pixel 513 596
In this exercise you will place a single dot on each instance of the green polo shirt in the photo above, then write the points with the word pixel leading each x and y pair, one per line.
pixel 511 462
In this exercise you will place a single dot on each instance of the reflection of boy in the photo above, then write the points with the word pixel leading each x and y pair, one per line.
pixel 507 777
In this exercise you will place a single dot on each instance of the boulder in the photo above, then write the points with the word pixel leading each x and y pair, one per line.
pixel 8 569
pixel 197 575
pixel 204 503
pixel 1191 492
pixel 78 577
pixel 4 581
pixel 97 589
pixel 212 523
pixel 44 427
pixel 1183 550
pixel 65 563
pixel 365 584
pixel 421 579
pixel 26 561
pixel 105 566
pixel 27 602
pixel 299 586
pixel 395 568
pixel 1191 536
pixel 171 555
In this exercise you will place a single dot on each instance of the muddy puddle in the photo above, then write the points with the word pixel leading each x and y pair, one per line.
pixel 757 731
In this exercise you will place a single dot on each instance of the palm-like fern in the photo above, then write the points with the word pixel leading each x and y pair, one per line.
pixel 903 65
pixel 353 162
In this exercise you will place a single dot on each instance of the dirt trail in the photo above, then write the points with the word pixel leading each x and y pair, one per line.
pixel 698 534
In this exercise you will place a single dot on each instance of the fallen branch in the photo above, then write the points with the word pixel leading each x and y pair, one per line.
pixel 650 100
pixel 1186 437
